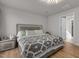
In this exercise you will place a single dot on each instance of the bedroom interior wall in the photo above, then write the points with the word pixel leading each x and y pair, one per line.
pixel 0 21
pixel 11 17
pixel 54 22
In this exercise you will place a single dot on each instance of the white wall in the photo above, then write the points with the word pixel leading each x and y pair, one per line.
pixel 0 22
pixel 54 22
pixel 11 17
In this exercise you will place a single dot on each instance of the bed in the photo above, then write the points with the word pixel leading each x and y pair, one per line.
pixel 37 46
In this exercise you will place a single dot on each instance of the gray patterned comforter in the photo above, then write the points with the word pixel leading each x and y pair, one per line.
pixel 38 45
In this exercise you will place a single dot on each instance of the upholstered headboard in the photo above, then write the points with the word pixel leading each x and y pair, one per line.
pixel 20 27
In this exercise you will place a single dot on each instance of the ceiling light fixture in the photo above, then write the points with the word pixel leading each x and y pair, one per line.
pixel 52 1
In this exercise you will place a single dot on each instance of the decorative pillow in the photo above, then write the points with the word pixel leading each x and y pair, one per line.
pixel 21 33
pixel 39 31
pixel 30 32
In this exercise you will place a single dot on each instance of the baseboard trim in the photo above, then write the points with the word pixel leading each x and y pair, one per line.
pixel 74 43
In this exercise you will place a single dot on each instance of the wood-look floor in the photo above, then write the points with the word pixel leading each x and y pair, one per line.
pixel 69 51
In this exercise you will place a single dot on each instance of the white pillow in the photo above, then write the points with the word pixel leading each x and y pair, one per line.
pixel 39 31
pixel 21 34
pixel 30 32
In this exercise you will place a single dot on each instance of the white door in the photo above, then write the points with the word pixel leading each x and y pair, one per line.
pixel 63 27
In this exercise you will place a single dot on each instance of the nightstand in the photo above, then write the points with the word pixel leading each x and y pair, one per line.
pixel 7 44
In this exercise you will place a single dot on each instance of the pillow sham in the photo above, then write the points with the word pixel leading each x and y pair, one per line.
pixel 34 32
pixel 39 31
pixel 30 32
pixel 21 34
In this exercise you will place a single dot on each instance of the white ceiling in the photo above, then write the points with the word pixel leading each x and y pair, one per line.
pixel 38 7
